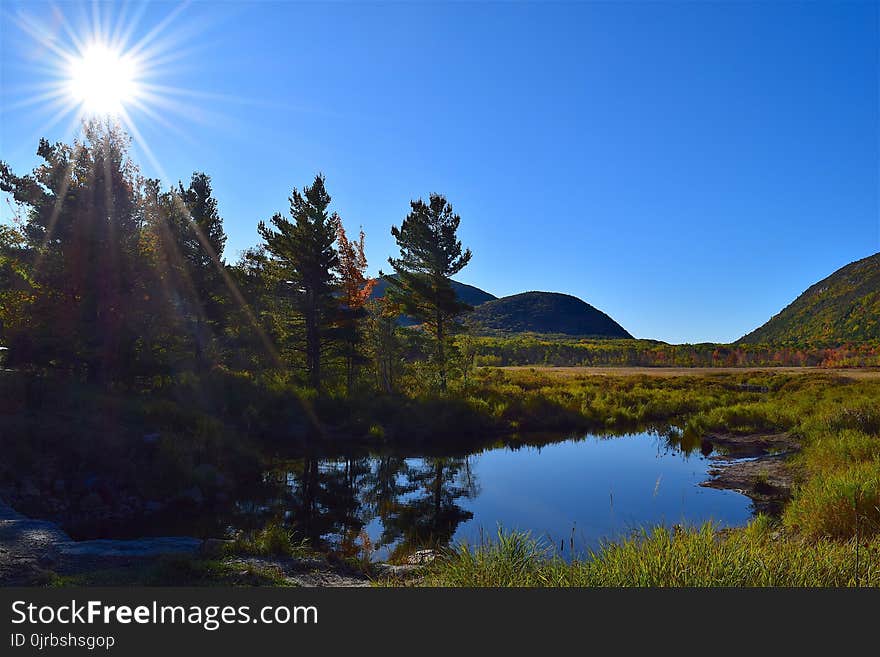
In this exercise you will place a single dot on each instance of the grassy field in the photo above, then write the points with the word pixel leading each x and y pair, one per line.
pixel 845 372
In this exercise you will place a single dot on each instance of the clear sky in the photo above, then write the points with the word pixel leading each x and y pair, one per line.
pixel 687 168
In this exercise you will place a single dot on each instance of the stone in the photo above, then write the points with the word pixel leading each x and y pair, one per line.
pixel 142 547
pixel 421 556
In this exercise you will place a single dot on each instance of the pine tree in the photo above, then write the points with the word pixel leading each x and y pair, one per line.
pixel 430 254
pixel 304 251
pixel 83 226
pixel 202 240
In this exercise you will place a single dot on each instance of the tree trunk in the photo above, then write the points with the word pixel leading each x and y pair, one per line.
pixel 441 354
pixel 313 344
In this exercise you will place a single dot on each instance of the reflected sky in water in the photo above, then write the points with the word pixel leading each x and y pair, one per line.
pixel 594 489
pixel 580 491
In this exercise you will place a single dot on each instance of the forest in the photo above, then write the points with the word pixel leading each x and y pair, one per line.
pixel 113 280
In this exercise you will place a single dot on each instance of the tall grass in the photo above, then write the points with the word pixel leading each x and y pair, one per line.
pixel 756 556
pixel 273 540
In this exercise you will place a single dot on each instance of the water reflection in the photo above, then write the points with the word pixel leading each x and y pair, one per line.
pixel 388 505
pixel 414 501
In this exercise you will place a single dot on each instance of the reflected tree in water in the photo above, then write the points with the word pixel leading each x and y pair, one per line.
pixel 330 502
pixel 324 501
pixel 432 515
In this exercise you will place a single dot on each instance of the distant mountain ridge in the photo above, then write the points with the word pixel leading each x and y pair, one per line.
pixel 528 312
pixel 842 308
pixel 543 312
pixel 471 295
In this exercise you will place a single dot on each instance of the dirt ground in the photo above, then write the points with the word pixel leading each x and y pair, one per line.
pixel 850 373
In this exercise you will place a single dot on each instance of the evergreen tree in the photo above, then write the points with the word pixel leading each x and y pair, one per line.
pixel 83 226
pixel 201 242
pixel 307 259
pixel 430 254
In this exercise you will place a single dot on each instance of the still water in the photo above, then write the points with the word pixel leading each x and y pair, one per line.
pixel 572 493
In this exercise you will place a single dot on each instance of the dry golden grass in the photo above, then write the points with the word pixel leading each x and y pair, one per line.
pixel 849 373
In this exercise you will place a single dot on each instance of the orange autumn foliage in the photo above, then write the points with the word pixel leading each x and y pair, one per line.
pixel 356 287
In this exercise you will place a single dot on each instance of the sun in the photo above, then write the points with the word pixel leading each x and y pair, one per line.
pixel 102 80
pixel 112 62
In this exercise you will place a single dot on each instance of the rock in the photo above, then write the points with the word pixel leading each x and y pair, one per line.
pixel 142 547
pixel 47 560
pixel 421 556
pixel 395 570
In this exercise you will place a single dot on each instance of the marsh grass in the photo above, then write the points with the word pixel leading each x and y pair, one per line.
pixel 274 540
pixel 758 555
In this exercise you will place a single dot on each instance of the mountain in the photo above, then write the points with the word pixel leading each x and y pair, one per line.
pixel 473 296
pixel 543 312
pixel 845 307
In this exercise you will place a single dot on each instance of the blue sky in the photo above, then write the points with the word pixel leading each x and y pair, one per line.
pixel 687 168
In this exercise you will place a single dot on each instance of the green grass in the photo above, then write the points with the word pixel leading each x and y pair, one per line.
pixel 273 540
pixel 758 555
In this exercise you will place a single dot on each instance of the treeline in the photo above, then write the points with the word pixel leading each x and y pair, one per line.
pixel 530 349
pixel 109 277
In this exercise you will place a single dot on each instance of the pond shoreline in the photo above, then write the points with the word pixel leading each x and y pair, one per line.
pixel 755 465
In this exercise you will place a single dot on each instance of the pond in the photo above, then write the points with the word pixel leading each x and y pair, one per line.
pixel 573 493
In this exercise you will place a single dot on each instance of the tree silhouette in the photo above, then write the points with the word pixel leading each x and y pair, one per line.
pixel 83 229
pixel 430 254
pixel 303 249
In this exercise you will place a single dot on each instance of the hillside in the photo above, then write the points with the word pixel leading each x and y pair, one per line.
pixel 543 312
pixel 473 296
pixel 845 307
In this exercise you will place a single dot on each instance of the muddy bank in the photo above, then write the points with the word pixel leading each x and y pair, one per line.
pixel 756 465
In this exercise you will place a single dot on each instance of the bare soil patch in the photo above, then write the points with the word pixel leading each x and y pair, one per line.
pixel 756 465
